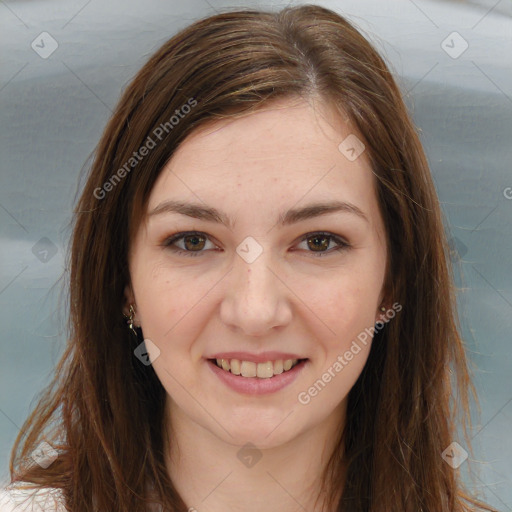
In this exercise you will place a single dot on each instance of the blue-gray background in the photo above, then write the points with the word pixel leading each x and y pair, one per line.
pixel 53 111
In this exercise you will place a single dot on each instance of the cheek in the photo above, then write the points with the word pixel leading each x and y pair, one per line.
pixel 349 307
pixel 157 305
pixel 341 356
pixel 171 307
pixel 346 305
pixel 157 299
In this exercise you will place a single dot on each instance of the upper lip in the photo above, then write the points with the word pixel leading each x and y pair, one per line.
pixel 262 357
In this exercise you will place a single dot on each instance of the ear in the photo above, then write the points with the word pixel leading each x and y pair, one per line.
pixel 129 298
pixel 384 302
pixel 382 315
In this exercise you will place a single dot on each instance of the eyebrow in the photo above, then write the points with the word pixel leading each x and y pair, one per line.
pixel 292 216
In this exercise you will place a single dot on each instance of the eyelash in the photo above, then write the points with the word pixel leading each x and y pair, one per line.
pixel 168 243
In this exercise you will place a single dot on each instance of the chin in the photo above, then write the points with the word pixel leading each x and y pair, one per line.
pixel 263 434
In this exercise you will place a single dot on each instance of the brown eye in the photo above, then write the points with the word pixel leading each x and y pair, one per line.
pixel 194 242
pixel 319 242
pixel 190 244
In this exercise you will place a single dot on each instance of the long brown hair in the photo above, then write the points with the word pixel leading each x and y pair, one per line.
pixel 104 410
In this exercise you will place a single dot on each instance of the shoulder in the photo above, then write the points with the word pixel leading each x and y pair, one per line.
pixel 14 498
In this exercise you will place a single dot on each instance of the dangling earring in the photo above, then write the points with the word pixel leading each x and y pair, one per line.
pixel 129 320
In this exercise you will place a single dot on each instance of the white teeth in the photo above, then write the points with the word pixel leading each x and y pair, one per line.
pixel 235 366
pixel 260 370
pixel 248 369
pixel 265 370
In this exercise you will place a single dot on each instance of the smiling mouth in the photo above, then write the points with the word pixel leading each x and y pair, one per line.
pixel 261 370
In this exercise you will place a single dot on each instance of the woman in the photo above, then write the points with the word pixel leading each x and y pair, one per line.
pixel 262 309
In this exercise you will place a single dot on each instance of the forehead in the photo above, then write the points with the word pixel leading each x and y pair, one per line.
pixel 287 152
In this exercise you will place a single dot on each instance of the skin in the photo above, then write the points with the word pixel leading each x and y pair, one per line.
pixel 288 299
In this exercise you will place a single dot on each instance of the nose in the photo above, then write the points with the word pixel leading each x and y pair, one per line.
pixel 257 299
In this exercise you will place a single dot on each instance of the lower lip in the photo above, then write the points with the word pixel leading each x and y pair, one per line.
pixel 255 385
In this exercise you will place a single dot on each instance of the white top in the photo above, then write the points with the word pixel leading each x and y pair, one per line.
pixel 48 499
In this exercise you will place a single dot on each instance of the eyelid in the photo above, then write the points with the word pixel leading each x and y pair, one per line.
pixel 343 245
pixel 168 241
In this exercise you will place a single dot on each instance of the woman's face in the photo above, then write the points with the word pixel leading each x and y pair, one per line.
pixel 256 289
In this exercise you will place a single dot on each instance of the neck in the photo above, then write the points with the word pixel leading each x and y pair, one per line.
pixel 214 475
